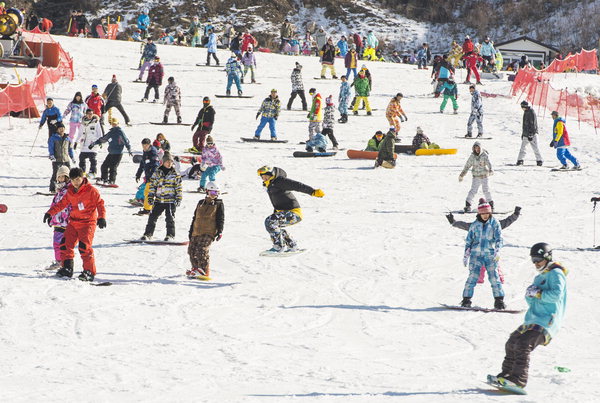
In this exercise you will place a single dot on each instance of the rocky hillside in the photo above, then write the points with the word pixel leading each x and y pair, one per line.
pixel 401 24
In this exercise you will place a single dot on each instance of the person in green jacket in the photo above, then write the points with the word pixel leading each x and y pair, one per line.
pixel 362 87
pixel 375 142
pixel 386 157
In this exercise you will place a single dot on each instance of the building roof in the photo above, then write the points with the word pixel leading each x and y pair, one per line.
pixel 526 38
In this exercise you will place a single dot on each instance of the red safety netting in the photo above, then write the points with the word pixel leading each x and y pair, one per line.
pixel 16 98
pixel 535 86
pixel 584 60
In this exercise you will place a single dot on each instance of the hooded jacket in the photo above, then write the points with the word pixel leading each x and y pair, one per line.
pixel 148 164
pixel 59 147
pixel 165 186
pixel 484 237
pixel 530 128
pixel 296 77
pixel 386 147
pixel 480 163
pixel 279 189
pixel 116 141
pixel 87 205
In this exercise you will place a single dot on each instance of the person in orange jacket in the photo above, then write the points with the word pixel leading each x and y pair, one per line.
pixel 87 212
pixel 394 112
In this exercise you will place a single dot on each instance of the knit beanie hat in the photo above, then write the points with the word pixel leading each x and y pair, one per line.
pixel 63 170
pixel 209 140
pixel 419 130
pixel 329 100
pixel 484 207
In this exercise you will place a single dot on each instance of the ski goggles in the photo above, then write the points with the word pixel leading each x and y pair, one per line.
pixel 536 259
pixel 213 192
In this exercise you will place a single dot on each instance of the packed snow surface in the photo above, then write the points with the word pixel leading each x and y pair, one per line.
pixel 355 318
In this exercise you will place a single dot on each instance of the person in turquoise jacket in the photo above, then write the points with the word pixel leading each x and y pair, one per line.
pixel 547 300
pixel 143 23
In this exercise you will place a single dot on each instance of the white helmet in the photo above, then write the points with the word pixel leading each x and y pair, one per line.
pixel 212 186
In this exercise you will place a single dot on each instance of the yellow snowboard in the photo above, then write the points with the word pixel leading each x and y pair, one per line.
pixel 438 151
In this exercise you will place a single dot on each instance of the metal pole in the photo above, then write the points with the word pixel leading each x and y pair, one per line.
pixel 34 140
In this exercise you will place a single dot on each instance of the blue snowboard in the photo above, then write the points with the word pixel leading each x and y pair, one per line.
pixel 493 381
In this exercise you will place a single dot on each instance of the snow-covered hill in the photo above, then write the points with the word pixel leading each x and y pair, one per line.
pixel 356 318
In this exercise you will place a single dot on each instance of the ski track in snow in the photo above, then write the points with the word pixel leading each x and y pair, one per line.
pixel 355 318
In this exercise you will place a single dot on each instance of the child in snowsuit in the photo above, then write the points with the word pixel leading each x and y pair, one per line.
pixel 148 165
pixel 385 156
pixel 560 141
pixel 249 62
pixel 87 212
pixel 172 99
pixel 547 300
pixel 343 99
pixel 52 115
pixel 60 220
pixel 297 87
pixel 375 142
pixel 362 88
pixel 482 248
pixel 319 142
pixel 315 116
pixel 422 141
pixel 481 169
pixel 117 140
pixel 212 161
pixel 394 112
pixel 60 152
pixel 287 209
pixel 76 108
pixel 233 69
pixel 329 121
pixel 91 131
pixel 204 122
pixel 207 226
pixel 450 91
pixel 164 195
pixel 471 64
pixel 211 47
pixel 476 113
pixel 154 80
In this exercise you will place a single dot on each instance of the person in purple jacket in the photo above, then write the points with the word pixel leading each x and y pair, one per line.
pixel 249 62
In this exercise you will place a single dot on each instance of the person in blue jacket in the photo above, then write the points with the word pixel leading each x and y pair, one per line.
pixel 342 45
pixel 52 115
pixel 148 164
pixel 116 139
pixel 547 300
pixel 212 47
pixel 482 248
pixel 143 23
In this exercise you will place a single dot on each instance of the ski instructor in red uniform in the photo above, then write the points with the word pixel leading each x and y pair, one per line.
pixel 87 212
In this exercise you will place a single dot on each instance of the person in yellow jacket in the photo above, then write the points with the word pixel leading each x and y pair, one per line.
pixel 455 54
pixel 287 209
pixel 315 116
pixel 394 112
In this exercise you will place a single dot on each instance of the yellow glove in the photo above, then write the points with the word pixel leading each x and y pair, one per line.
pixel 318 193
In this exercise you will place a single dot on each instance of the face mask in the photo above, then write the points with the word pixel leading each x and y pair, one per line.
pixel 60 185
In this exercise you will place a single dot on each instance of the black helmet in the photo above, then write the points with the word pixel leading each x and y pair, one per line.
pixel 541 250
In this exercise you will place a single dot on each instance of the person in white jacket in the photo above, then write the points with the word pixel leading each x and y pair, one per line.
pixel 481 167
pixel 91 131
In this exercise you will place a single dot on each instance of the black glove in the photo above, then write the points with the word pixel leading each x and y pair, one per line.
pixel 257 115
pixel 47 218
pixel 101 223
pixel 75 146
pixel 137 179
pixel 130 153
pixel 552 143
pixel 517 210
pixel 595 199
pixel 218 236
pixel 450 218
pixel 91 146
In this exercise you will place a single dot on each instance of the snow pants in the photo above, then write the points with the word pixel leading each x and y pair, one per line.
pixel 299 93
pixel 147 64
pixel 230 79
pixel 475 72
pixel 251 68
pixel 475 184
pixel 108 169
pixel 519 346
pixel 445 101
pixel 475 116
pixel 422 63
pixel 343 105
pixel 55 166
pixel 534 144
pixel 209 174
pixel 199 137
pixel 394 121
pixel 275 224
pixel 263 123
pixel 82 232
pixel 349 70
pixel 57 237
pixel 214 55
pixel 74 128
pixel 475 264
pixel 329 133
pixel 313 128
pixel 150 87
pixel 198 252
pixel 175 105
pixel 88 155
pixel 157 210
pixel 324 68
pixel 365 100
pixel 563 154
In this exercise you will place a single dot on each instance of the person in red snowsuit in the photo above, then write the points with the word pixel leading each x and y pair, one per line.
pixel 471 64
pixel 87 212
pixel 248 41
pixel 94 101
pixel 467 46
pixel 46 25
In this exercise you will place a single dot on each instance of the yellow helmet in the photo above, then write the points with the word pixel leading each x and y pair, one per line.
pixel 265 170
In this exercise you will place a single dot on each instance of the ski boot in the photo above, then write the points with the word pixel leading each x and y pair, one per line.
pixel 499 303
pixel 253 81
pixel 143 99
pixel 479 135
pixel 577 167
pixel 178 120
pixel 519 162
pixel 86 275
pixel 323 77
pixel 456 111
pixel 228 93
pixel 539 163
pixel 466 302
pixel 355 113
pixel 169 238
pixel 564 168
pixel 240 93
pixel 469 135
pixel 369 113
pixel 146 237
pixel 201 190
pixel 479 83
pixel 441 111
pixel 467 207
pixel 165 119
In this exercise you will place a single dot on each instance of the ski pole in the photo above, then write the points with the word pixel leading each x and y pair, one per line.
pixel 35 139
pixel 595 200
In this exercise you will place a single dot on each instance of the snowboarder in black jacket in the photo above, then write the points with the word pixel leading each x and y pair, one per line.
pixel 287 209
pixel 204 121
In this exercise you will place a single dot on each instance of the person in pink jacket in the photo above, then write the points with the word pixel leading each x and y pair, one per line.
pixel 60 220
pixel 212 163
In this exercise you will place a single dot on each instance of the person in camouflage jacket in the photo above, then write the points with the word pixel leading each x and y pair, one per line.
pixel 481 167
pixel 172 99
pixel 297 87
